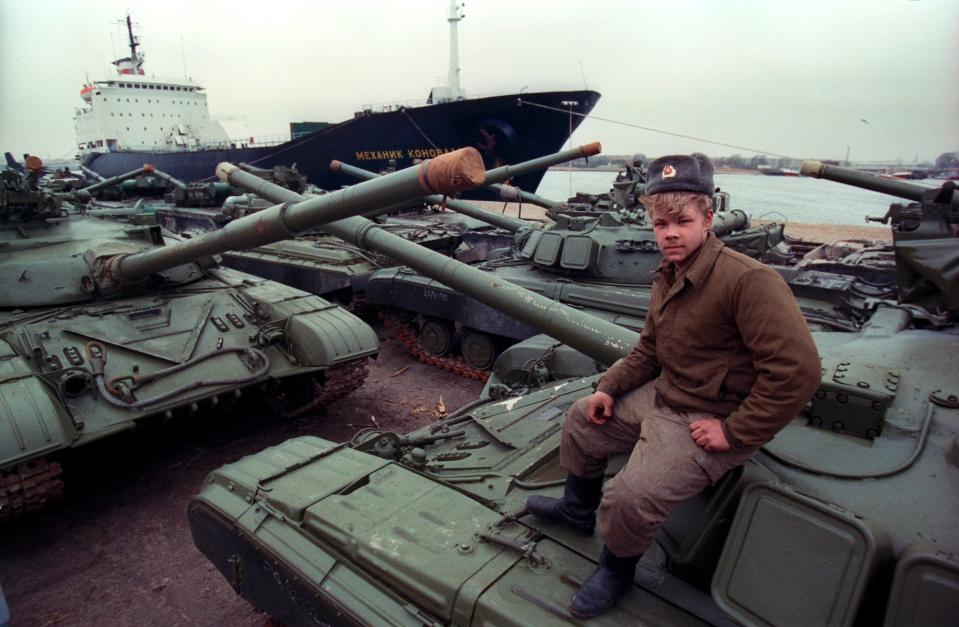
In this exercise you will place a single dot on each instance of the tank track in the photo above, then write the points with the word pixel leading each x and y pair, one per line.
pixel 338 382
pixel 406 334
pixel 29 486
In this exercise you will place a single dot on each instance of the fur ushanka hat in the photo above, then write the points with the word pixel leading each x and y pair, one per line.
pixel 681 173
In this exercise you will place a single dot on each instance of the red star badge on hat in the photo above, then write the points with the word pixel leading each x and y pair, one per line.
pixel 669 172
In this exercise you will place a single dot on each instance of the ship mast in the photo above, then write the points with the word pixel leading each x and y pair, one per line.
pixel 453 80
pixel 133 40
pixel 134 63
pixel 451 90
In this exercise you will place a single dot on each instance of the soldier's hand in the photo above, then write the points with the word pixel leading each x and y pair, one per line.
pixel 599 407
pixel 708 434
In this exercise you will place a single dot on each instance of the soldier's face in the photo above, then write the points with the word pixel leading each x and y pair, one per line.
pixel 681 236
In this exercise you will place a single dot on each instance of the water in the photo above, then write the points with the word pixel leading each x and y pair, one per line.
pixel 797 199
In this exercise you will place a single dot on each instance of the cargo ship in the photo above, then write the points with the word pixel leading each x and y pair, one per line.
pixel 132 118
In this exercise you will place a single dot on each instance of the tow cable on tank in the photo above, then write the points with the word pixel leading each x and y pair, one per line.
pixel 116 389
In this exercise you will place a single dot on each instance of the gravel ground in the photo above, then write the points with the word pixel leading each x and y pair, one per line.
pixel 117 549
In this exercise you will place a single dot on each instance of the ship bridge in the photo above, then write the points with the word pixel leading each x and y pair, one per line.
pixel 133 111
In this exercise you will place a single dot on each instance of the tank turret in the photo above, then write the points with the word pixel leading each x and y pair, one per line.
pixel 846 517
pixel 924 235
pixel 21 198
pixel 288 177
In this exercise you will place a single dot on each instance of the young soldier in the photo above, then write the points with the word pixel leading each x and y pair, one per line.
pixel 725 360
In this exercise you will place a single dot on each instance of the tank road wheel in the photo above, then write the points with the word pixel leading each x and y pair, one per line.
pixel 29 486
pixel 436 337
pixel 479 350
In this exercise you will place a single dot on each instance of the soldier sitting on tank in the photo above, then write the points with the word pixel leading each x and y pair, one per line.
pixel 725 360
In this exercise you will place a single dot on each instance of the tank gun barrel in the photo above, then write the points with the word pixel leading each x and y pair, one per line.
pixel 115 180
pixel 172 180
pixel 857 178
pixel 467 209
pixel 493 177
pixel 602 340
pixel 449 173
pixel 729 221
pixel 248 167
pixel 506 172
pixel 94 175
pixel 509 193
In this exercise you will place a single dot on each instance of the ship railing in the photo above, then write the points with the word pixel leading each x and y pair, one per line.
pixel 272 140
pixel 253 142
pixel 394 105
pixel 386 107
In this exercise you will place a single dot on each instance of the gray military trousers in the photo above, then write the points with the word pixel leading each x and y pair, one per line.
pixel 665 465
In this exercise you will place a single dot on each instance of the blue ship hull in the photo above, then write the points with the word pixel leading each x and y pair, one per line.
pixel 506 129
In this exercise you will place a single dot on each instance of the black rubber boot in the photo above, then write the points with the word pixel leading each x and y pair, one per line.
pixel 601 590
pixel 577 508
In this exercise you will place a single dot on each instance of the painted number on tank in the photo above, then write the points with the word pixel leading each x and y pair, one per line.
pixel 435 295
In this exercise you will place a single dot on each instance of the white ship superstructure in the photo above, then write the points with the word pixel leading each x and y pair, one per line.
pixel 133 111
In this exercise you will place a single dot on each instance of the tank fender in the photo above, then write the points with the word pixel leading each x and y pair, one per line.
pixel 32 421
pixel 320 333
pixel 331 336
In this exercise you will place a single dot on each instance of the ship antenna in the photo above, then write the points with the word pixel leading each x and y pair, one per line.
pixel 133 40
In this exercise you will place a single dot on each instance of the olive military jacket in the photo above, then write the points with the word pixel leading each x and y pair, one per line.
pixel 727 338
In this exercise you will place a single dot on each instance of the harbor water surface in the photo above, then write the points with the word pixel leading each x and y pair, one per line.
pixel 796 199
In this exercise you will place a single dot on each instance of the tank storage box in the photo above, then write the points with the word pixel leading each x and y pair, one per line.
pixel 925 588
pixel 791 559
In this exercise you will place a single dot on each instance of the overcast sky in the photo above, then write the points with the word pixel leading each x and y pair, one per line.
pixel 800 78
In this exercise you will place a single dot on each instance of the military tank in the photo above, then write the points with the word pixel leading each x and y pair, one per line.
pixel 105 325
pixel 315 261
pixel 847 517
pixel 596 254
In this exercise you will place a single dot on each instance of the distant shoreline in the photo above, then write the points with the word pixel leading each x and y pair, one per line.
pixel 606 168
